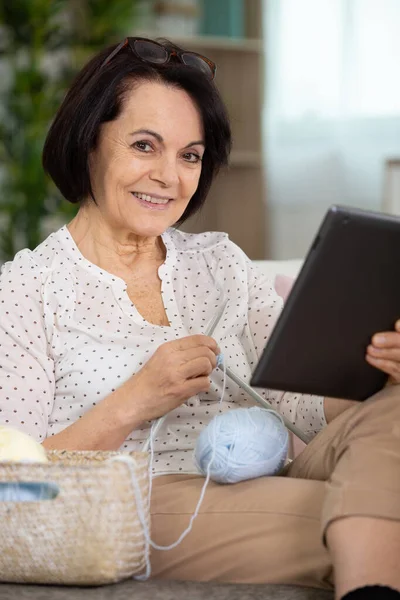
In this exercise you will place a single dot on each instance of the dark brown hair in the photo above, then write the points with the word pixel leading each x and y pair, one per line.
pixel 96 96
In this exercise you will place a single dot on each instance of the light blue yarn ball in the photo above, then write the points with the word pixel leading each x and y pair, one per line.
pixel 249 443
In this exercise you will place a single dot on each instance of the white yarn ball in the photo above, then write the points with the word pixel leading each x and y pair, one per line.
pixel 16 446
pixel 249 442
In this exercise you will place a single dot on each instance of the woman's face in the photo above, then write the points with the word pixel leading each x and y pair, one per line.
pixel 147 164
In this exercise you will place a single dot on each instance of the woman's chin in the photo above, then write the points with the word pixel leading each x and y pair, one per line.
pixel 151 224
pixel 148 227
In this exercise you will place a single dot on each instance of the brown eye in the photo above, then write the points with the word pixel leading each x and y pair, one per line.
pixel 142 146
pixel 192 157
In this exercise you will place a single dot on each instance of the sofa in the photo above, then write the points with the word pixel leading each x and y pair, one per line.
pixel 282 273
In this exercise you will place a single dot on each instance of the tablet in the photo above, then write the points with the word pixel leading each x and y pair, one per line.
pixel 347 290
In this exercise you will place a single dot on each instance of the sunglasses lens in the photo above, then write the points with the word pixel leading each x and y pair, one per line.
pixel 151 52
pixel 191 60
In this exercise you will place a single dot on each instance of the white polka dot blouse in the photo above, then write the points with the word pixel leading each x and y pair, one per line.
pixel 70 336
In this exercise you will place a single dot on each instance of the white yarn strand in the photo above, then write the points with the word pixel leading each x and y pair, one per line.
pixel 131 464
pixel 203 489
pixel 129 461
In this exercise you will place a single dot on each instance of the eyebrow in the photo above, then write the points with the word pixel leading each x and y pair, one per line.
pixel 161 139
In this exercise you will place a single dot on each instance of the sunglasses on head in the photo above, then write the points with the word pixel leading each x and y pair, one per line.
pixel 156 54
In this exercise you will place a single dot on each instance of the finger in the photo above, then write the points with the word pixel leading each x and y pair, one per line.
pixel 202 351
pixel 397 325
pixel 386 339
pixel 197 367
pixel 389 367
pixel 196 385
pixel 384 353
pixel 194 341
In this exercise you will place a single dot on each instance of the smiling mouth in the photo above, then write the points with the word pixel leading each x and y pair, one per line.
pixel 151 199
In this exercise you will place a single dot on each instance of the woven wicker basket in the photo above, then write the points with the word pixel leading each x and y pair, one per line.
pixel 90 534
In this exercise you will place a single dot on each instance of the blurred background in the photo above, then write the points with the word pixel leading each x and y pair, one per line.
pixel 312 88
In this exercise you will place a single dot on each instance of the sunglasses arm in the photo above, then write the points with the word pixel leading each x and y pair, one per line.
pixel 124 43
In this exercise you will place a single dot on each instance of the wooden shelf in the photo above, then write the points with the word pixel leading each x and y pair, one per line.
pixel 209 42
pixel 245 158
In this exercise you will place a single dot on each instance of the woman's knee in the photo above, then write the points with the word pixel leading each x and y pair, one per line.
pixel 385 405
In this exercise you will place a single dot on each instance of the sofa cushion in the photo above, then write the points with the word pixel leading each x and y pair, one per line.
pixel 271 268
pixel 283 285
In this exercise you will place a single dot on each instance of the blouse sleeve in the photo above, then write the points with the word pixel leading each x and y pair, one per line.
pixel 26 368
pixel 303 410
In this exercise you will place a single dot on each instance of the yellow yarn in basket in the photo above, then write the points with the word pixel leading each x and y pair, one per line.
pixel 16 446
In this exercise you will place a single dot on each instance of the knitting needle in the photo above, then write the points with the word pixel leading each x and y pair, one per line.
pixel 216 319
pixel 260 400
pixel 210 329
pixel 252 393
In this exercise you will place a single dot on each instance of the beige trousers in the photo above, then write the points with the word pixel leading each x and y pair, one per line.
pixel 271 529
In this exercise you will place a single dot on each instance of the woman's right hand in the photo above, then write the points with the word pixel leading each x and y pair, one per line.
pixel 177 371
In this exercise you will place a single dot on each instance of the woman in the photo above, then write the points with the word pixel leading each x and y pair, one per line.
pixel 102 331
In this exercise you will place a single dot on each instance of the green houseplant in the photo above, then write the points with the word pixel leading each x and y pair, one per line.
pixel 42 45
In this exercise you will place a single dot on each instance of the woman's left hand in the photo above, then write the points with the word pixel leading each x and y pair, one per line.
pixel 384 353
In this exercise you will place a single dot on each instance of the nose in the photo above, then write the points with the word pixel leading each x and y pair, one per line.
pixel 165 171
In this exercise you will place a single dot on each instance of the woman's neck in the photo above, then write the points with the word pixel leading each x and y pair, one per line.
pixel 116 251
